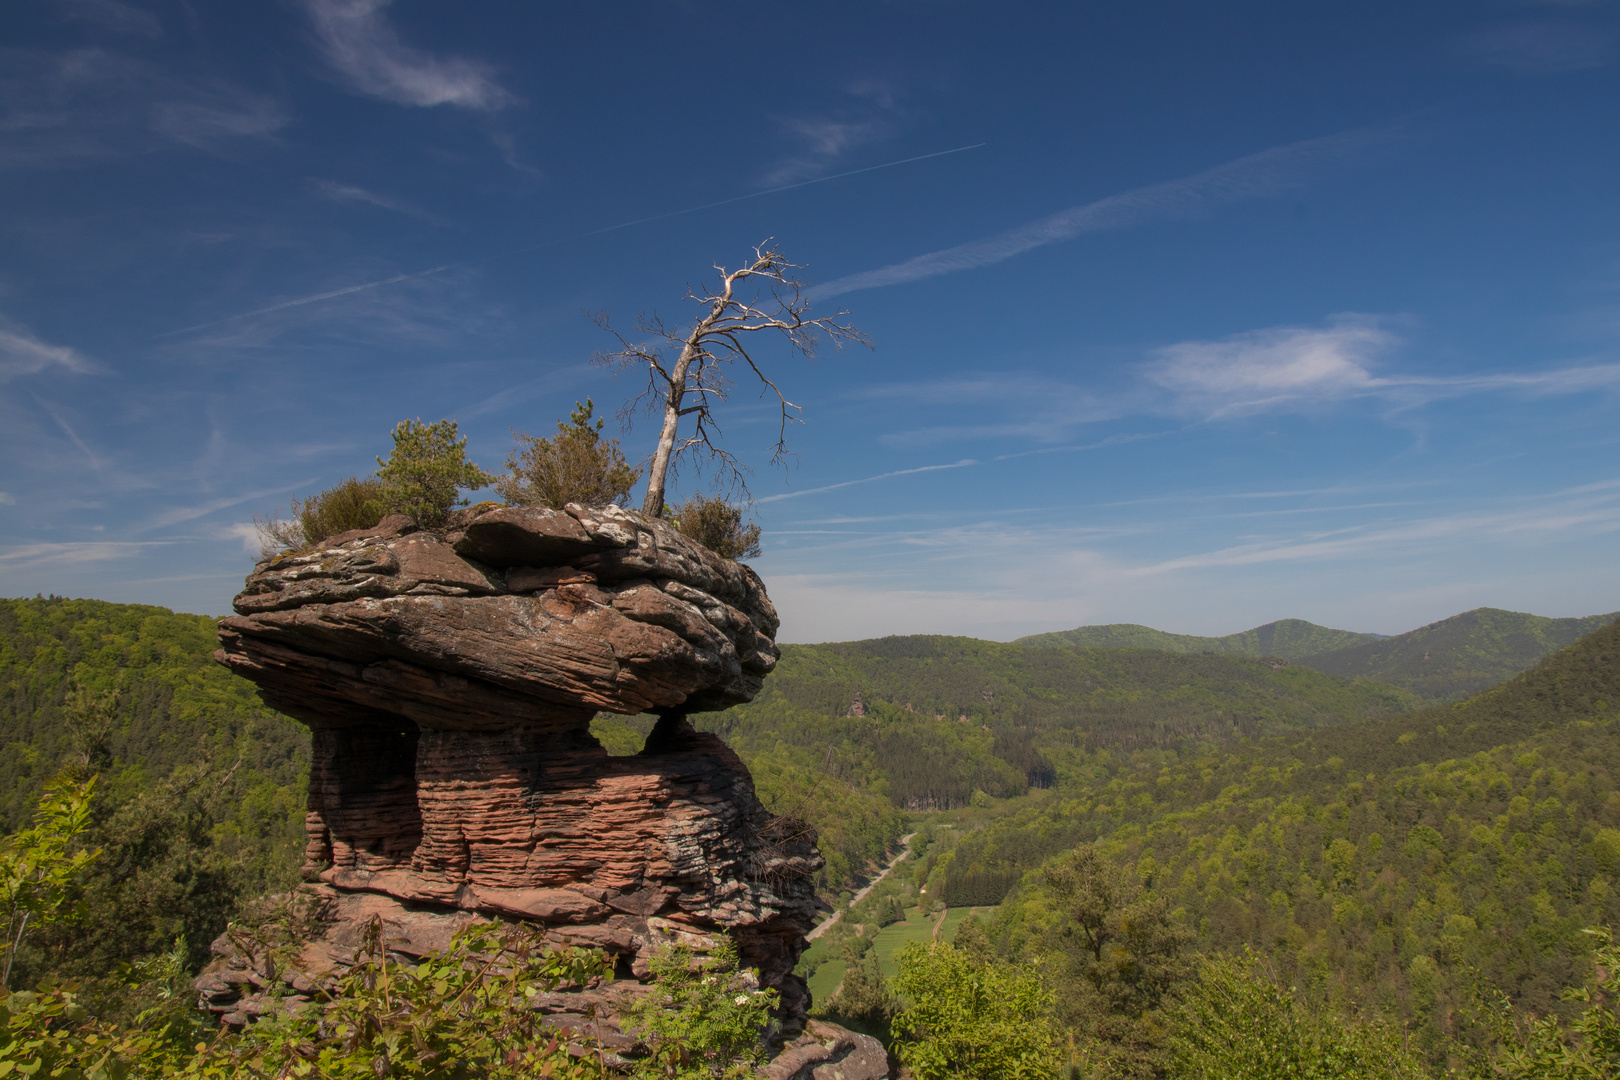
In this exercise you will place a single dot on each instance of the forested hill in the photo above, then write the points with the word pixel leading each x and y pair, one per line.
pixel 171 704
pixel 1379 861
pixel 1286 639
pixel 930 720
pixel 201 788
pixel 1461 655
pixel 1444 661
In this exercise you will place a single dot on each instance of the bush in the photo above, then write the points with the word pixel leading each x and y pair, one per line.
pixel 574 465
pixel 467 1012
pixel 704 1019
pixel 717 525
pixel 353 504
pixel 863 1001
pixel 1528 1048
pixel 967 1019
pixel 427 470
pixel 1237 1022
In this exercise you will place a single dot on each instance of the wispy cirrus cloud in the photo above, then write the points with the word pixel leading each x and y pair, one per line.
pixel 22 353
pixel 1559 515
pixel 357 39
pixel 37 556
pixel 1544 47
pixel 1261 175
pixel 964 463
pixel 112 16
pixel 350 193
pixel 82 105
pixel 1291 367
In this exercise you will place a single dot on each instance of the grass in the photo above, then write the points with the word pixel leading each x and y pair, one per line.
pixel 824 981
pixel 891 939
pixel 955 915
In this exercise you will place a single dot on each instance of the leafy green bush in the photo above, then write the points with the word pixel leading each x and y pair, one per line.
pixel 1239 1023
pixel 717 525
pixel 864 1001
pixel 354 504
pixel 1544 1048
pixel 574 465
pixel 40 866
pixel 427 470
pixel 705 1018
pixel 464 1013
pixel 968 1019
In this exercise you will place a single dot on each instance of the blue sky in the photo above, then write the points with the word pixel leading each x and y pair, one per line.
pixel 1188 314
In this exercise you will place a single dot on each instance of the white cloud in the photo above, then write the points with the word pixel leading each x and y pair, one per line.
pixel 213 114
pixel 35 556
pixel 7 499
pixel 349 193
pixel 251 536
pixel 21 353
pixel 359 41
pixel 1270 367
pixel 1293 367
pixel 1256 176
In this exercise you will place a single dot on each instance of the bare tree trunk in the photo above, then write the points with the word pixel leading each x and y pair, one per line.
pixel 653 504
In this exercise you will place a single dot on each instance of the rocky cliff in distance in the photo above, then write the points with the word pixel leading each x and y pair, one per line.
pixel 449 678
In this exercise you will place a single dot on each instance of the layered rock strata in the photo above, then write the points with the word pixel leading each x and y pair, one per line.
pixel 449 678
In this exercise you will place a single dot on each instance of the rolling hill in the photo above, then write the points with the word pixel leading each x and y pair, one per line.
pixel 1286 639
pixel 1462 655
pixel 1389 862
pixel 1444 661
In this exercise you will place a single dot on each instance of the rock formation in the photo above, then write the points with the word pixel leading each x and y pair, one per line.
pixel 449 678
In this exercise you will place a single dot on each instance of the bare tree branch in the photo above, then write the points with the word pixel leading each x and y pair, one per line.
pixel 701 355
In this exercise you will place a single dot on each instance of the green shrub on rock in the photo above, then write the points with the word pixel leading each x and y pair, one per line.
pixel 717 525
pixel 575 465
pixel 424 475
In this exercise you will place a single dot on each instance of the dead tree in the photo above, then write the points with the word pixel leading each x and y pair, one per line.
pixel 698 379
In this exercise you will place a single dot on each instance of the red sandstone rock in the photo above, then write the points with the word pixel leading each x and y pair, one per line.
pixel 449 679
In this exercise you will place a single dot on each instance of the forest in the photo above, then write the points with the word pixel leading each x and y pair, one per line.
pixel 1106 835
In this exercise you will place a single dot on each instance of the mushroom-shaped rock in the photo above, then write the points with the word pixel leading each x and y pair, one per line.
pixel 449 678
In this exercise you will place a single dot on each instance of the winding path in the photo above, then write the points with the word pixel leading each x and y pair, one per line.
pixel 826 924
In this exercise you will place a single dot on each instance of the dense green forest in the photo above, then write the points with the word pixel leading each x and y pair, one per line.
pixel 201 793
pixel 1119 819
pixel 1391 863
pixel 929 721
pixel 1286 639
pixel 1461 655
pixel 1444 661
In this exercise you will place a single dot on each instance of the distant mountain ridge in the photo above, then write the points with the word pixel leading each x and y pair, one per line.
pixel 1462 655
pixel 1286 639
pixel 1443 661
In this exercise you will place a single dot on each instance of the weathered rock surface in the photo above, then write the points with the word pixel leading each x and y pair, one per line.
pixel 449 678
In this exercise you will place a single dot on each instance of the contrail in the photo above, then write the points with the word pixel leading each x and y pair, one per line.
pixel 867 480
pixel 1252 177
pixel 397 278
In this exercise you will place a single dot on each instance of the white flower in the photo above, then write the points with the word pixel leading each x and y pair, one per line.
pixel 742 999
